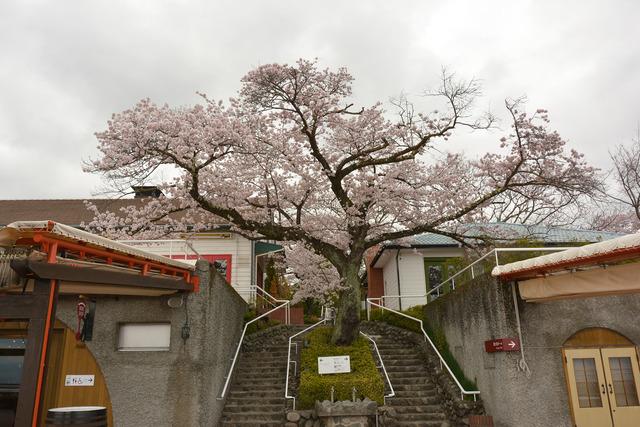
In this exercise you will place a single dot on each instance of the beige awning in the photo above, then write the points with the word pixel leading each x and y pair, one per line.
pixel 618 279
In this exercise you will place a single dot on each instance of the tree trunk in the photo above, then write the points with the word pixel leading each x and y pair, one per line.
pixel 348 309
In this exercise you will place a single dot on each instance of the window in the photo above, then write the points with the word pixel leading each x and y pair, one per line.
pixel 144 337
pixel 436 271
pixel 11 361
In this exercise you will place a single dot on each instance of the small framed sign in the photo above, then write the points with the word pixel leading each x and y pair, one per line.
pixel 334 365
pixel 79 380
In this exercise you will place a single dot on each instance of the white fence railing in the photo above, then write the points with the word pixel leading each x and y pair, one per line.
pixel 392 392
pixel 325 318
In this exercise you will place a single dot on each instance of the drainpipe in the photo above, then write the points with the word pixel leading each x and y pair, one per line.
pixel 253 281
pixel 398 279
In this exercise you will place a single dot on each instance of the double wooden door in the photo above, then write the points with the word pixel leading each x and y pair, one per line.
pixel 603 386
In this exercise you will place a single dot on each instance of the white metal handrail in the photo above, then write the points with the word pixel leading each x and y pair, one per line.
pixel 244 331
pixel 289 361
pixel 275 301
pixel 443 363
pixel 392 392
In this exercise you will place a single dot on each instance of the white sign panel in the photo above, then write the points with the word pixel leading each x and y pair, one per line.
pixel 334 365
pixel 79 380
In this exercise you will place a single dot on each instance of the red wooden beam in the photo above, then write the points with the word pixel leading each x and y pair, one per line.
pixel 131 260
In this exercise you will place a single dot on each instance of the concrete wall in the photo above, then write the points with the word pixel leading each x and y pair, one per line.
pixel 174 388
pixel 484 309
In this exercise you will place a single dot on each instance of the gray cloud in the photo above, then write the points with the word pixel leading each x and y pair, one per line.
pixel 65 67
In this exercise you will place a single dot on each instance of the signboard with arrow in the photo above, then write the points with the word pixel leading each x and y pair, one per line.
pixel 502 344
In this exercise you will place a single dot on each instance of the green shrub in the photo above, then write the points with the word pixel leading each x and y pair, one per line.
pixel 437 336
pixel 364 375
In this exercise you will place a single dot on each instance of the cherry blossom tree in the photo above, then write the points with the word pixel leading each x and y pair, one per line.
pixel 292 159
pixel 626 173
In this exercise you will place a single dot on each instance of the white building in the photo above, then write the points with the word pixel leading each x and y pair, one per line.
pixel 418 265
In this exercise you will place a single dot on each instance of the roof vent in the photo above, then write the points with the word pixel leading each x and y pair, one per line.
pixel 141 191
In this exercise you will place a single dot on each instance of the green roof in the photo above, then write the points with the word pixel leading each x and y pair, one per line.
pixel 506 231
pixel 266 247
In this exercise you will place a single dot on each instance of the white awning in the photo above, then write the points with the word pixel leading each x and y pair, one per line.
pixel 619 248
pixel 598 281
pixel 21 229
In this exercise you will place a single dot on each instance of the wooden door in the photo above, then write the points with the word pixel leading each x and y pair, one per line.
pixel 587 388
pixel 622 378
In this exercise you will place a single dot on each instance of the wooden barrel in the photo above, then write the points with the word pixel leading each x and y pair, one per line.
pixel 77 416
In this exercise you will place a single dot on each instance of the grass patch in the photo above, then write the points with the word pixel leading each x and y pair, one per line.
pixel 364 375
pixel 436 334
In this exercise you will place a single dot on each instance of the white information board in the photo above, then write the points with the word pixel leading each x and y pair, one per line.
pixel 79 380
pixel 334 365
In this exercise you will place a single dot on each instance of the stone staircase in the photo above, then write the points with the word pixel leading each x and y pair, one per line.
pixel 256 395
pixel 416 401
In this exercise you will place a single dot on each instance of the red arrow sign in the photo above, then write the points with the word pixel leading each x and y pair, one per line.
pixel 502 344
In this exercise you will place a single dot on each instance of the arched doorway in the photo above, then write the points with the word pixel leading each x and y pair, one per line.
pixel 603 378
pixel 73 376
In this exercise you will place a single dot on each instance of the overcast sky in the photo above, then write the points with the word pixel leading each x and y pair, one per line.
pixel 66 66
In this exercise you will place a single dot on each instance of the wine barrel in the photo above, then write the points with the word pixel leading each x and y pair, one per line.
pixel 77 416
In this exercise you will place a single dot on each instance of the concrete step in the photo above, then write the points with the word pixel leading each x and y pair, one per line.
pixel 395 361
pixel 414 390
pixel 255 394
pixel 427 423
pixel 265 355
pixel 263 400
pixel 435 416
pixel 255 406
pixel 413 409
pixel 405 368
pixel 279 371
pixel 412 401
pixel 255 416
pixel 259 381
pixel 397 382
pixel 250 424
pixel 260 388
pixel 400 353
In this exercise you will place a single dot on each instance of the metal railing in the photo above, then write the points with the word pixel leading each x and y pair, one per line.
pixel 443 363
pixel 284 305
pixel 181 246
pixel 324 319
pixel 274 302
pixel 392 392
pixel 491 256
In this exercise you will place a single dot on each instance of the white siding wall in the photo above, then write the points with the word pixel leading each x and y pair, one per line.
pixel 390 281
pixel 237 246
pixel 412 278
